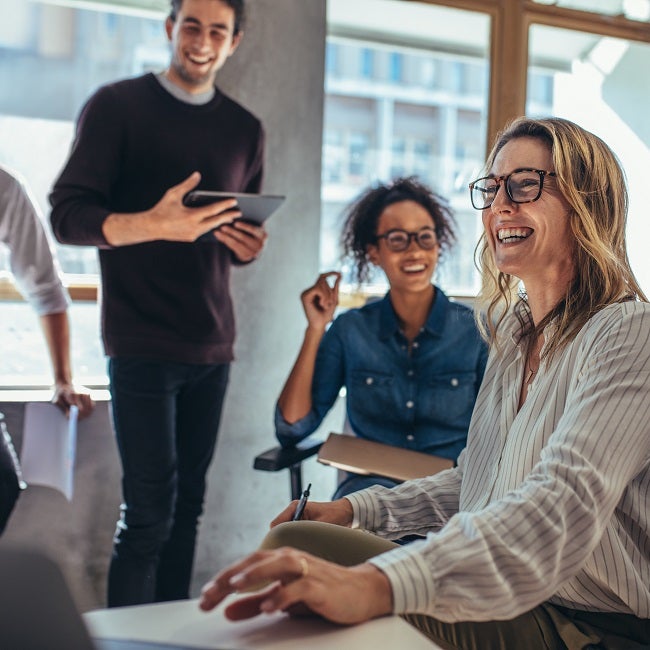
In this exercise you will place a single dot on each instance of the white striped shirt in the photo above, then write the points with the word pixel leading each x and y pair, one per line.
pixel 551 503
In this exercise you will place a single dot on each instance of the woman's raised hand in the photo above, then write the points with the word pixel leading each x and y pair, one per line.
pixel 321 299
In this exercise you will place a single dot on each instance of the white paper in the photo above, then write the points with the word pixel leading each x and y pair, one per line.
pixel 49 446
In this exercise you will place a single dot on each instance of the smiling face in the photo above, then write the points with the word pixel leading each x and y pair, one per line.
pixel 202 39
pixel 531 241
pixel 410 270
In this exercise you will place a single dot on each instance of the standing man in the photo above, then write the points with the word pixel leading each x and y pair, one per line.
pixel 36 273
pixel 167 316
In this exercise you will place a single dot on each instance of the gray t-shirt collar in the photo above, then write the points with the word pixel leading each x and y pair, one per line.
pixel 183 95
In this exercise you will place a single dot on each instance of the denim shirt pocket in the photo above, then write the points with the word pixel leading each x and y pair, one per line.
pixel 449 397
pixel 370 392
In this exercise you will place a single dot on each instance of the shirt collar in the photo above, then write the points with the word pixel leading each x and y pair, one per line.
pixel 518 333
pixel 389 325
pixel 182 95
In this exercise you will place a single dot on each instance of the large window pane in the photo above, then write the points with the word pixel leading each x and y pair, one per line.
pixel 53 57
pixel 600 82
pixel 406 94
pixel 24 360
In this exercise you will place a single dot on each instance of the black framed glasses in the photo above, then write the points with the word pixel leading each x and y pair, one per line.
pixel 522 186
pixel 399 240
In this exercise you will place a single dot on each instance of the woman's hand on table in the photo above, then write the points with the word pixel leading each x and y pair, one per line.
pixel 298 583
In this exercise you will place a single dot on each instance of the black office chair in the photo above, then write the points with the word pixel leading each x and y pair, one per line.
pixel 278 458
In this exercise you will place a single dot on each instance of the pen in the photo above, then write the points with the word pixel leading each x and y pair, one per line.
pixel 301 504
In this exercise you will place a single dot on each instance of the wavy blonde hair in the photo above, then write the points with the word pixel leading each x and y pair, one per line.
pixel 592 181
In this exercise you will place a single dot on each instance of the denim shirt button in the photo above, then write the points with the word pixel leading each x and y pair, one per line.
pixel 454 382
pixel 410 437
pixel 410 373
pixel 416 344
pixel 409 404
pixel 369 381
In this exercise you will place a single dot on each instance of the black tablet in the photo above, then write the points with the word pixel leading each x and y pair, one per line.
pixel 256 208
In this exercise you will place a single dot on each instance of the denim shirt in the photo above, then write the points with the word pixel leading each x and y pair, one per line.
pixel 421 400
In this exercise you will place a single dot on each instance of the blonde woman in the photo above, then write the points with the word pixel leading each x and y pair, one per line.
pixel 540 538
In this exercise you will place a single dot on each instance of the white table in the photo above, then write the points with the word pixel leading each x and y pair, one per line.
pixel 182 622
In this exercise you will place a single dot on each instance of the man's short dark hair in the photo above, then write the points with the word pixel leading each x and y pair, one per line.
pixel 236 5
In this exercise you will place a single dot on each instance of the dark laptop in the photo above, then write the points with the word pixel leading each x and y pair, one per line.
pixel 37 611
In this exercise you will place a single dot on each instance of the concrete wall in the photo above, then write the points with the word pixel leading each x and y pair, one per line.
pixel 278 73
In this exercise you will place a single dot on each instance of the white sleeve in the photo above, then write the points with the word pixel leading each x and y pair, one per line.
pixel 32 260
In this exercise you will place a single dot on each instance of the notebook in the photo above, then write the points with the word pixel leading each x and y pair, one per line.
pixel 37 611
pixel 354 454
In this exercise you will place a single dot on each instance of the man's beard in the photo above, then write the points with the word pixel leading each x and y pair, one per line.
pixel 188 78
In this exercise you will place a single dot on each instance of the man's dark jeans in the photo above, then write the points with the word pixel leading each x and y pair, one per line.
pixel 166 418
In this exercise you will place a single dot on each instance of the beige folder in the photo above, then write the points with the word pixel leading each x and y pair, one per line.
pixel 360 456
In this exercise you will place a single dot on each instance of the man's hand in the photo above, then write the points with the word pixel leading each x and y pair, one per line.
pixel 170 219
pixel 67 395
pixel 243 239
pixel 300 584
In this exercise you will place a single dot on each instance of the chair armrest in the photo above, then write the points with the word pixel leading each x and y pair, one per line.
pixel 277 458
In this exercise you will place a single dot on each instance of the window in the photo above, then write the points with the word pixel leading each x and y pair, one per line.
pixel 367 63
pixel 58 55
pixel 424 117
pixel 332 58
pixel 594 80
pixel 586 61
pixel 395 63
pixel 53 57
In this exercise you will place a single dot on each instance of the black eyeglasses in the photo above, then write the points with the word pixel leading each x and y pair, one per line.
pixel 522 186
pixel 399 240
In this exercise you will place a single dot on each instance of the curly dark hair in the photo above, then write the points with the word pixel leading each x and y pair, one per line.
pixel 236 5
pixel 362 217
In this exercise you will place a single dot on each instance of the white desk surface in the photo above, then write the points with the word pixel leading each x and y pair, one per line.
pixel 183 623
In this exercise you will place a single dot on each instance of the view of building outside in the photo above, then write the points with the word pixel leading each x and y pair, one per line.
pixel 601 83
pixel 392 112
pixel 51 59
pixel 406 94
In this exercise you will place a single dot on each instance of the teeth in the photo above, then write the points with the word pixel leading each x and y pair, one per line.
pixel 414 267
pixel 513 234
